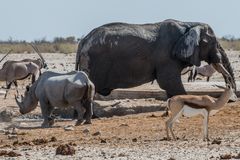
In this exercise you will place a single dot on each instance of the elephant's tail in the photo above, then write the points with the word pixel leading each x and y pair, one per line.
pixel 78 55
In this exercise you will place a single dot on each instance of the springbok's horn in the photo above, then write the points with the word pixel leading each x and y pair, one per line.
pixel 6 55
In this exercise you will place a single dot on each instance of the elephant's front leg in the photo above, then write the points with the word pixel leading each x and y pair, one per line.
pixel 170 80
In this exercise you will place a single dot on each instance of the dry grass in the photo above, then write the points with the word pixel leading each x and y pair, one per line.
pixel 230 44
pixel 43 47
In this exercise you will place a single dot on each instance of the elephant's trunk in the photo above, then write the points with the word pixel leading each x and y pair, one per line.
pixel 225 61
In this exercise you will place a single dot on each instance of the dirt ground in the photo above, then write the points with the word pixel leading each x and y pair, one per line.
pixel 133 136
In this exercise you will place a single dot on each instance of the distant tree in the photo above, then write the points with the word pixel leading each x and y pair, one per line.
pixel 58 40
pixel 43 40
pixel 71 39
pixel 228 38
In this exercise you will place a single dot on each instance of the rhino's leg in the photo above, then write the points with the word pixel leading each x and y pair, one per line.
pixel 80 110
pixel 46 113
pixel 89 112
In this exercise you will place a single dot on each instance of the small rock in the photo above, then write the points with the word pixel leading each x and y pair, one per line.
pixel 69 128
pixel 86 131
pixel 122 155
pixel 65 150
pixel 134 139
pixel 9 153
pixel 124 125
pixel 2 131
pixel 40 141
pixel 103 141
pixel 237 156
pixel 152 116
pixel 217 141
pixel 72 144
pixel 53 139
pixel 14 131
pixel 6 115
pixel 226 156
pixel 7 132
pixel 12 136
pixel 96 133
pixel 112 156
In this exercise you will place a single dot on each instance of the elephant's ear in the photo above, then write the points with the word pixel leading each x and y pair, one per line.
pixel 187 47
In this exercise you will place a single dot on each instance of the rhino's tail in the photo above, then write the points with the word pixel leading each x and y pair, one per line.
pixel 91 91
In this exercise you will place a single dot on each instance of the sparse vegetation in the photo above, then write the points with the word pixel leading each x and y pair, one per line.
pixel 58 45
pixel 230 42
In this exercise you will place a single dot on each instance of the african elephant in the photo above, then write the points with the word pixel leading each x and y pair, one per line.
pixel 121 55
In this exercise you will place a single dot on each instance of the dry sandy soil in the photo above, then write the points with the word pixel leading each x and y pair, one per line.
pixel 133 136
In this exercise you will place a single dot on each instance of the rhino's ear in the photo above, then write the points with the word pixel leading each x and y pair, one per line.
pixel 187 47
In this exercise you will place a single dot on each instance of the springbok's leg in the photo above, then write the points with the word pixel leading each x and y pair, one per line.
pixel 170 121
pixel 167 130
pixel 205 125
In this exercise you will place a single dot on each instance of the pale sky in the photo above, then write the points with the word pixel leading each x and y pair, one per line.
pixel 34 19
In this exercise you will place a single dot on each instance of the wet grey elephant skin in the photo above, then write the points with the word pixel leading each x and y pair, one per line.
pixel 121 55
pixel 60 90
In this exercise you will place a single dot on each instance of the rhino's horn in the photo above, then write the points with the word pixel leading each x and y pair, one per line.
pixel 20 105
pixel 18 102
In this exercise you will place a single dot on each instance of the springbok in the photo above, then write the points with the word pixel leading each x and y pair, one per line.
pixel 192 105
pixel 205 71
pixel 17 70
